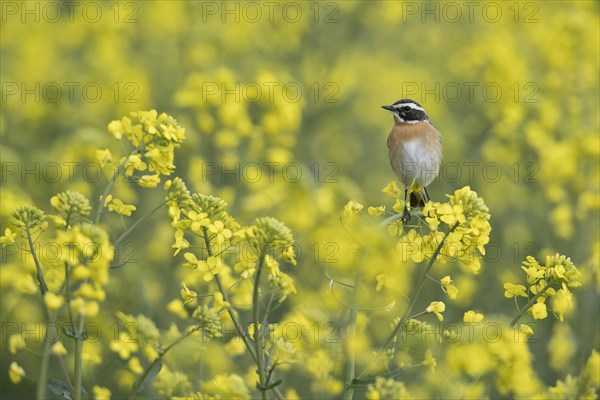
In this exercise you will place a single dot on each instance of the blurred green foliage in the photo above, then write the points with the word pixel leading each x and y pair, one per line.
pixel 296 100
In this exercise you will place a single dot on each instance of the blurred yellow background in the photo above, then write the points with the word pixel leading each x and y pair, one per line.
pixel 281 105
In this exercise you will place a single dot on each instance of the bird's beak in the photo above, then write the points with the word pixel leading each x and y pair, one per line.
pixel 389 108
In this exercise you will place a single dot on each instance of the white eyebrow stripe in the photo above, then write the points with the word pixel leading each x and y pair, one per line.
pixel 411 105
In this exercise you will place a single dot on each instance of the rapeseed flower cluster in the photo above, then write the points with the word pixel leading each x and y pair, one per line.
pixel 461 225
pixel 154 138
pixel 551 281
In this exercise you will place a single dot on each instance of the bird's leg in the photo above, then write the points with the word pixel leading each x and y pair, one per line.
pixel 426 194
pixel 406 213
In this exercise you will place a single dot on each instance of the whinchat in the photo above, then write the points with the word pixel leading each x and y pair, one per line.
pixel 415 151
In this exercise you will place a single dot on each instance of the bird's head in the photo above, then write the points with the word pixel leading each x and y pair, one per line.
pixel 407 110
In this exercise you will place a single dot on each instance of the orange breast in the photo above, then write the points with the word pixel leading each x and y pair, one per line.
pixel 414 148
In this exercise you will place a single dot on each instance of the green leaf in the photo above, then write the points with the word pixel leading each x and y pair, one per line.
pixel 59 388
pixel 139 385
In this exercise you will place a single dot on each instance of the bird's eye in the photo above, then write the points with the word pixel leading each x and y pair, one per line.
pixel 406 108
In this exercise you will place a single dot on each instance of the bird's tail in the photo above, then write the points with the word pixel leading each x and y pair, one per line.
pixel 418 198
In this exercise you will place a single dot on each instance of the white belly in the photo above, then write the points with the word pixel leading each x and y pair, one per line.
pixel 417 163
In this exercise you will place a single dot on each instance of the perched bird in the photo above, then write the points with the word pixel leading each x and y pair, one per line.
pixel 415 151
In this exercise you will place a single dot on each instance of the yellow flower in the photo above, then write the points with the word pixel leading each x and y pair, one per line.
pixel 387 388
pixel 436 307
pixel 53 301
pixel 392 189
pixel 27 285
pixel 271 264
pixel 283 283
pixel 289 255
pixel 125 345
pixel 198 220
pixel 245 269
pixel 149 181
pixel 85 308
pixel 152 153
pixel 592 368
pixel 473 265
pixel 135 366
pixel 101 393
pixel 235 347
pixel 352 208
pixel 533 274
pixel 472 317
pixel 562 302
pixel 117 128
pixel 121 208
pixel 398 206
pixel 187 294
pixel 526 329
pixel 58 221
pixel 219 302
pixel 91 358
pixel 15 372
pixel 58 349
pixel 429 360
pixel 450 214
pixel 180 242
pixel 210 267
pixel 226 387
pixel 222 233
pixel 375 211
pixel 90 292
pixel 134 162
pixel 538 311
pixel 103 156
pixel 411 247
pixel 176 307
pixel 80 272
pixel 252 330
pixel 448 287
pixel 8 237
pixel 15 342
pixel 513 290
pixel 107 200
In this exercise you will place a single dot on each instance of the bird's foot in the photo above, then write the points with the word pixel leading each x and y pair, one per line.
pixel 405 216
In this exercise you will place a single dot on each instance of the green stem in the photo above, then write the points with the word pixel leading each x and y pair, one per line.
pixel 136 223
pixel 413 299
pixel 43 379
pixel 530 303
pixel 268 308
pixel 230 311
pixel 68 298
pixel 350 343
pixel 38 267
pixel 107 190
pixel 180 339
pixel 236 322
pixel 111 183
pixel 78 357
pixel 258 346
